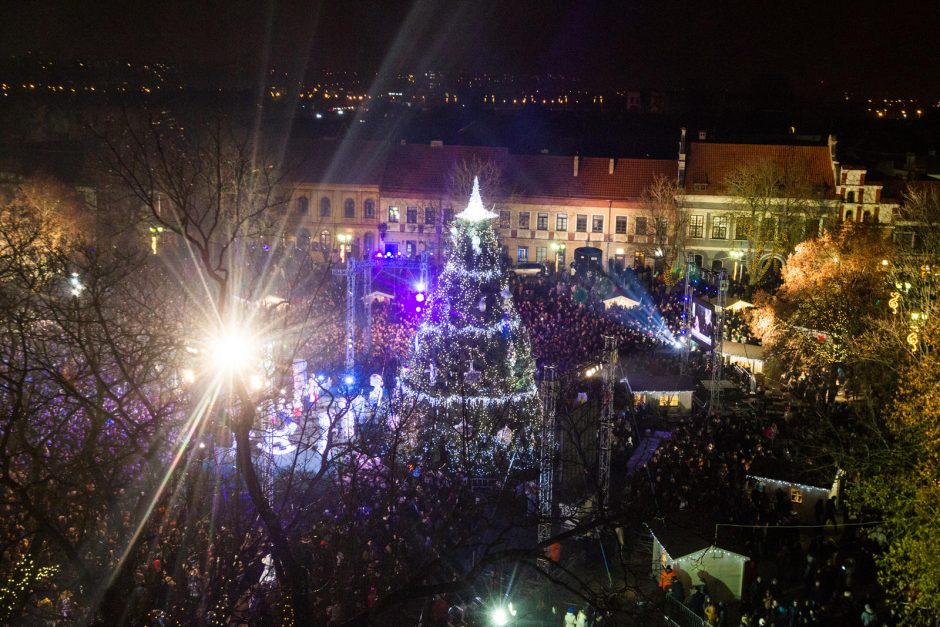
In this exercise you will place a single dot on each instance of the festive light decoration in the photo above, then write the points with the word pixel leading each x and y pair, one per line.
pixel 472 367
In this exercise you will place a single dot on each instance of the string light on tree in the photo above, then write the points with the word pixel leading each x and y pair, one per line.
pixel 472 366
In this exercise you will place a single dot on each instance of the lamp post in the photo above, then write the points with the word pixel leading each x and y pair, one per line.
pixel 559 253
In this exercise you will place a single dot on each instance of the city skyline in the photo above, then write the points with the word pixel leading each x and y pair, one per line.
pixel 736 46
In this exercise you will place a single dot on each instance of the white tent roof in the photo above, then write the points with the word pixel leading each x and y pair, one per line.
pixel 747 351
pixel 621 301
pixel 739 305
pixel 377 295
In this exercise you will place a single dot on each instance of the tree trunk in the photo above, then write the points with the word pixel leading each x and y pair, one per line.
pixel 291 574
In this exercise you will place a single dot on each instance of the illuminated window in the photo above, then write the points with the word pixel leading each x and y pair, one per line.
pixel 696 226
pixel 522 253
pixel 394 214
pixel 720 227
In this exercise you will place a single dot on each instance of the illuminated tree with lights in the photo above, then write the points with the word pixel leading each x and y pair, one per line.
pixel 472 364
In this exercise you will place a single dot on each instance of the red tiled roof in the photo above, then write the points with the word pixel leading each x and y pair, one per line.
pixel 337 162
pixel 553 176
pixel 712 163
pixel 422 168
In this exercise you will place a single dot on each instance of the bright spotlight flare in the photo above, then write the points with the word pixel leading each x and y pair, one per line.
pixel 233 350
pixel 501 616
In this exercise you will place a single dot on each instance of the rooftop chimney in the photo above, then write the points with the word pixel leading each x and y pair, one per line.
pixel 610 166
pixel 576 165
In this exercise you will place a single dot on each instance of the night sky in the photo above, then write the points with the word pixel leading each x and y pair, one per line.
pixel 861 46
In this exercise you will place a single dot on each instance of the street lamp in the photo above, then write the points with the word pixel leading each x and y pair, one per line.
pixel 559 253
pixel 232 351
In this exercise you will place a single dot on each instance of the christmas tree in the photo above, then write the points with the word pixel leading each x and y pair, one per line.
pixel 472 371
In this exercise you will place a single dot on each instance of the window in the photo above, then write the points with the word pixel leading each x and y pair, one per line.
pixel 720 227
pixel 561 221
pixel 394 214
pixel 696 226
pixel 639 225
pixel 662 229
pixel 849 196
pixel 368 208
pixel 620 225
pixel 597 224
pixel 848 215
pixel 411 215
pixel 542 222
pixel 742 228
pixel 541 252
pixel 326 207
pixel 581 223
pixel 410 248
pixel 349 208
pixel 326 242
pixel 303 239
pixel 448 215
pixel 523 219
pixel 303 205
pixel 368 242
pixel 522 253
pixel 505 219
pixel 866 217
pixel 429 215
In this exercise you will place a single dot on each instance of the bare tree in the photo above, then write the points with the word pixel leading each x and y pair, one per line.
pixel 667 223
pixel 774 202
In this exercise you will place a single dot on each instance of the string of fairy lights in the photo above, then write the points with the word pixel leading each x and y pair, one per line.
pixel 472 362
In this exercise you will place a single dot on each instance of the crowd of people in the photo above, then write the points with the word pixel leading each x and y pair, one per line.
pixel 809 578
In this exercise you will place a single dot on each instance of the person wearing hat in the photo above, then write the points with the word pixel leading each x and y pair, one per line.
pixel 570 618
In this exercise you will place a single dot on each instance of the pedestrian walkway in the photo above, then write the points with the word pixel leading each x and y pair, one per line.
pixel 644 452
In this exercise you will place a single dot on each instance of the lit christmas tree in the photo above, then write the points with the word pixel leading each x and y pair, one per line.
pixel 472 369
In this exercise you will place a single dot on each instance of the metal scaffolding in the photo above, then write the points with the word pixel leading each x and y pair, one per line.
pixel 605 431
pixel 351 271
pixel 549 392
pixel 687 314
pixel 714 401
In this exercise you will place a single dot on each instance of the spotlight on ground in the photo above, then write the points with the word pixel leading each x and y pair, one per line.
pixel 499 617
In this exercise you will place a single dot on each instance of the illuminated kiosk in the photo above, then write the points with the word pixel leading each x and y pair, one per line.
pixel 801 489
pixel 697 561
pixel 664 393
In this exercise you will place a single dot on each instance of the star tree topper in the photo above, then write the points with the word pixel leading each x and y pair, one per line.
pixel 475 211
